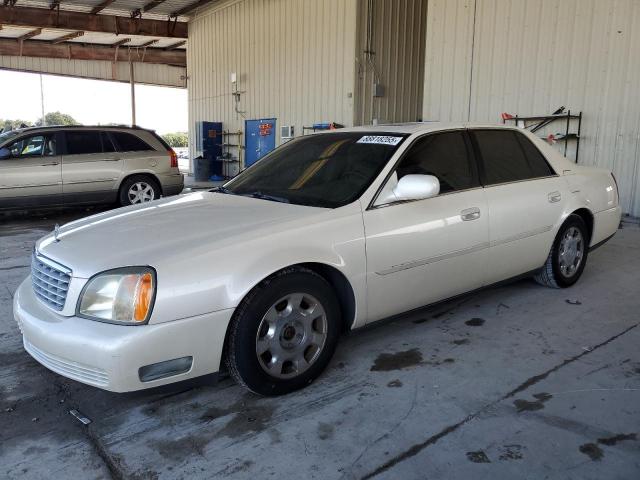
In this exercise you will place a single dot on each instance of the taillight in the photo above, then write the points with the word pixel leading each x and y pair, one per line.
pixel 174 158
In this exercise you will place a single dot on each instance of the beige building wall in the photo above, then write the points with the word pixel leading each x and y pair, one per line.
pixel 485 57
pixel 145 73
pixel 391 42
pixel 294 60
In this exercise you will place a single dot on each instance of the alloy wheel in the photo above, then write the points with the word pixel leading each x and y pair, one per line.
pixel 140 192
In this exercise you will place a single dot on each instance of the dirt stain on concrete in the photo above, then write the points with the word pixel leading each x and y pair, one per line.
pixel 250 419
pixel 475 322
pixel 387 362
pixel 394 383
pixel 537 404
pixel 461 341
pixel 478 457
pixel 325 431
pixel 593 451
pixel 621 437
pixel 511 452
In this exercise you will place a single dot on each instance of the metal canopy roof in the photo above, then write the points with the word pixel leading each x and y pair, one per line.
pixel 98 29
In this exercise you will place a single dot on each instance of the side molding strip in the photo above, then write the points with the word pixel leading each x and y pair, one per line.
pixel 464 251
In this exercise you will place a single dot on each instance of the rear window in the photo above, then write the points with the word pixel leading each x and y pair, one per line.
pixel 127 142
pixel 537 162
pixel 503 158
pixel 83 142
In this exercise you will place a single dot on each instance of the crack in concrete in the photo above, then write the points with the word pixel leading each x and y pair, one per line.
pixel 113 466
pixel 418 447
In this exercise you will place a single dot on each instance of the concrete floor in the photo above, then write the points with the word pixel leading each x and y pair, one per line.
pixel 518 381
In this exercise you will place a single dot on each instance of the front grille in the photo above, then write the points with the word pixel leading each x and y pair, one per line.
pixel 50 282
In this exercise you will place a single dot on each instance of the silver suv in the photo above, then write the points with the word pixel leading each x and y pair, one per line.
pixel 52 166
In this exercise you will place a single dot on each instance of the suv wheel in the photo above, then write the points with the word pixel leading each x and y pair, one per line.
pixel 138 189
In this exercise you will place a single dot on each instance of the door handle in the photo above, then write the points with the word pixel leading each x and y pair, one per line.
pixel 554 197
pixel 470 214
pixel 113 159
pixel 49 164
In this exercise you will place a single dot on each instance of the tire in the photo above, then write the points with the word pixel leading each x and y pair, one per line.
pixel 272 348
pixel 148 189
pixel 572 240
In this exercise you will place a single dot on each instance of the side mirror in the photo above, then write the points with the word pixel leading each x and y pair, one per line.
pixel 417 187
pixel 5 153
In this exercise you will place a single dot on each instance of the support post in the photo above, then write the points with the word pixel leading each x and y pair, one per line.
pixel 44 121
pixel 133 94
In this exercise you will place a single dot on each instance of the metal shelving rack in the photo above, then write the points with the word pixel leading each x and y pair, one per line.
pixel 545 120
pixel 227 156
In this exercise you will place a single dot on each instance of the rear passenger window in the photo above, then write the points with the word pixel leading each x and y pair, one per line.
pixel 537 162
pixel 107 144
pixel 127 142
pixel 443 155
pixel 83 142
pixel 502 157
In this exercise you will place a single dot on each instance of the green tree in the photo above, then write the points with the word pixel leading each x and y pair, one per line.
pixel 13 124
pixel 177 139
pixel 58 118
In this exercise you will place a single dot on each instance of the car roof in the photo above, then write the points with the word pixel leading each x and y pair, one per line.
pixel 419 127
pixel 77 127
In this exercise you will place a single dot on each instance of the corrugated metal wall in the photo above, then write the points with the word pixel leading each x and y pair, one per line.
pixel 295 60
pixel 485 57
pixel 145 73
pixel 397 31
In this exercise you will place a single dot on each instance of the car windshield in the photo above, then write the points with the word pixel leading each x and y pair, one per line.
pixel 4 136
pixel 322 170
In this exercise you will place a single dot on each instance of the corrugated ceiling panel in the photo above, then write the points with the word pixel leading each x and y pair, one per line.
pixel 295 60
pixel 533 57
pixel 145 73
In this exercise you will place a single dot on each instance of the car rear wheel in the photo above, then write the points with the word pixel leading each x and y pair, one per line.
pixel 284 333
pixel 568 256
pixel 138 189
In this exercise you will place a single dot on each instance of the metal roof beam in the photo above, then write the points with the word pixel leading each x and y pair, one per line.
pixel 175 45
pixel 68 36
pixel 69 20
pixel 30 34
pixel 80 51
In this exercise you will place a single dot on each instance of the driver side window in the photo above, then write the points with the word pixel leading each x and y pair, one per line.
pixel 34 146
pixel 443 155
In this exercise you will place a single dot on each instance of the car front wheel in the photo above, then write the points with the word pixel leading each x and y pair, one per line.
pixel 568 255
pixel 284 333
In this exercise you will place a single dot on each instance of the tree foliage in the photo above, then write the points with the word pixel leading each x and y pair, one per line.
pixel 13 124
pixel 52 118
pixel 58 118
pixel 177 139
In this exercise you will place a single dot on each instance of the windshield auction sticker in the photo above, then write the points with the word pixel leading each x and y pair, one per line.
pixel 380 140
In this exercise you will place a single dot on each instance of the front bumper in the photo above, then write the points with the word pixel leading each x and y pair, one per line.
pixel 109 356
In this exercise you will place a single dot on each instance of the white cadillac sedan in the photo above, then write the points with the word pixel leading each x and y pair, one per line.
pixel 327 233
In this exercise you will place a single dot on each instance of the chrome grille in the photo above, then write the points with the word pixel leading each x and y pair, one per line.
pixel 50 281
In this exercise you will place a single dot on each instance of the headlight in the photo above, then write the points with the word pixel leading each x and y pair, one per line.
pixel 123 295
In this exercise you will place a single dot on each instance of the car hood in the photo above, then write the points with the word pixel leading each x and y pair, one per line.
pixel 165 230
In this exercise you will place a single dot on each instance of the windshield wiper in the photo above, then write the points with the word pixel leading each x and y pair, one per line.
pixel 222 189
pixel 265 196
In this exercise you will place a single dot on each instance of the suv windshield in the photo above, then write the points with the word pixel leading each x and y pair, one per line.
pixel 323 170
